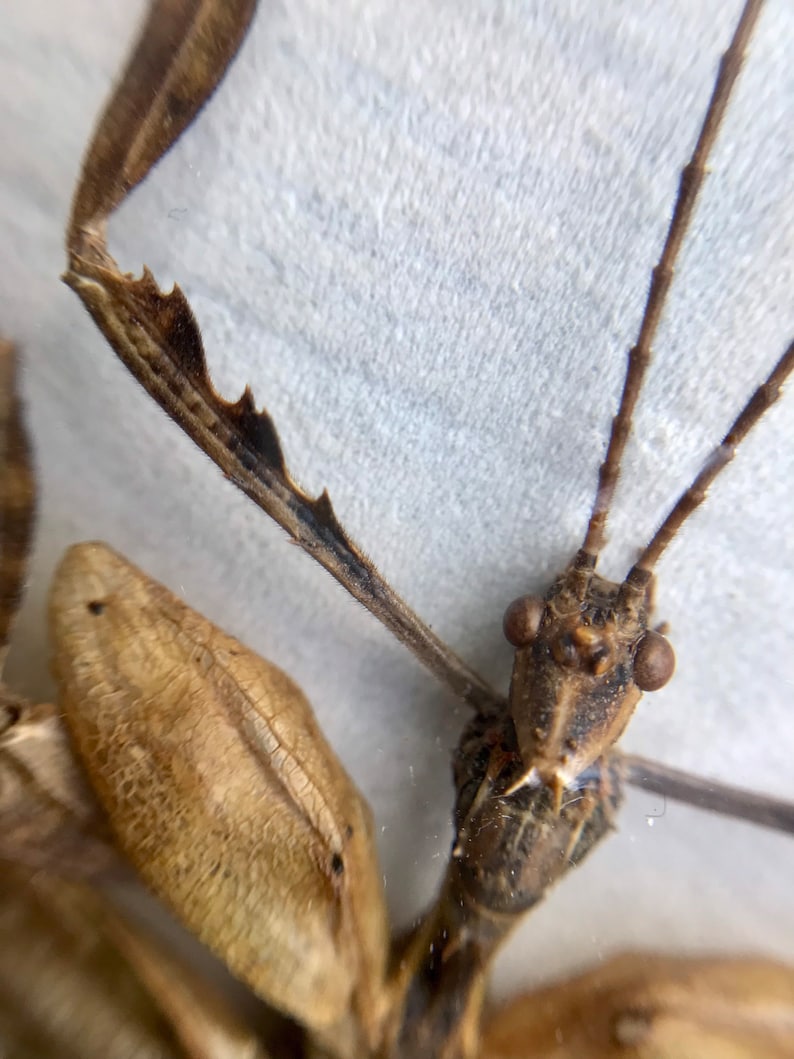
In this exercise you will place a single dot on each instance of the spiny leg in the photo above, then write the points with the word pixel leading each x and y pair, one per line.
pixel 170 75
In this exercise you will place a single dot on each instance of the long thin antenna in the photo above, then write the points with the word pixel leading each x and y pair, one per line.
pixel 689 186
pixel 765 396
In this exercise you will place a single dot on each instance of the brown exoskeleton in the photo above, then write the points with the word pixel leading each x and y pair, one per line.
pixel 545 778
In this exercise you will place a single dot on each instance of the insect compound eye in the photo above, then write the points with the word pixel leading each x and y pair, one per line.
pixel 522 620
pixel 654 661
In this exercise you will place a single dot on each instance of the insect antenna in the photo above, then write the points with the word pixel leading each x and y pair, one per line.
pixel 763 398
pixel 709 794
pixel 690 183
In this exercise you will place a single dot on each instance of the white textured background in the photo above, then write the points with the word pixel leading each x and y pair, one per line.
pixel 423 233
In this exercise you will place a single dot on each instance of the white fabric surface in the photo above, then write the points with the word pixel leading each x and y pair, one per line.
pixel 423 233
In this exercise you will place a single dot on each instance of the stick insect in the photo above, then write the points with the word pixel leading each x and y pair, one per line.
pixel 281 421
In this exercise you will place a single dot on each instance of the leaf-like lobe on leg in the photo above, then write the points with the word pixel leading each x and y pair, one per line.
pixel 640 1006
pixel 221 790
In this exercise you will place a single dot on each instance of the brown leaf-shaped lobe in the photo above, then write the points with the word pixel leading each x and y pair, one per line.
pixel 640 1006
pixel 221 790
